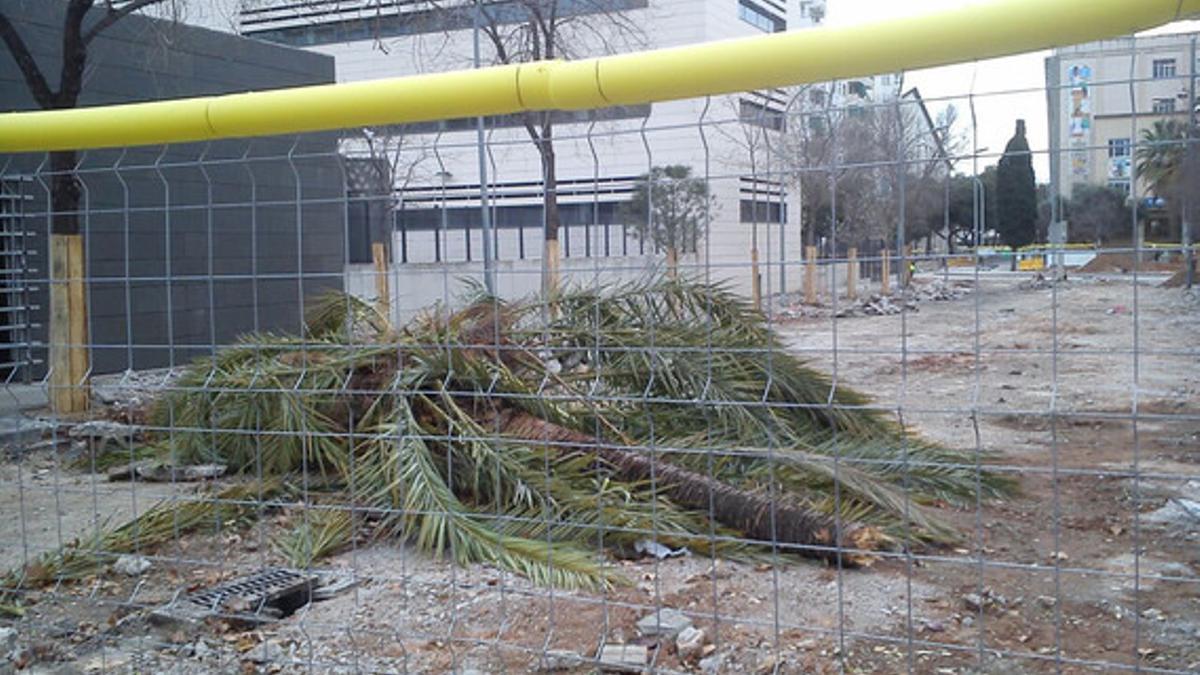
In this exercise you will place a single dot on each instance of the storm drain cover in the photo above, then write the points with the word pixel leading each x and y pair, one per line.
pixel 262 596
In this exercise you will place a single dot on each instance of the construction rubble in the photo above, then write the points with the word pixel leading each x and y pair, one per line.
pixel 792 306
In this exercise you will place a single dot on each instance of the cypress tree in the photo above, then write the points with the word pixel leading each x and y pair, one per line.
pixel 1016 190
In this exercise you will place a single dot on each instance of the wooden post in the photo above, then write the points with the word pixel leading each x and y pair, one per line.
pixel 852 274
pixel 885 277
pixel 672 262
pixel 906 273
pixel 550 271
pixel 69 391
pixel 810 275
pixel 755 280
pixel 383 286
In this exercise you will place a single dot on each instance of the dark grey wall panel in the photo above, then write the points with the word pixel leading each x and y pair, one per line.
pixel 223 239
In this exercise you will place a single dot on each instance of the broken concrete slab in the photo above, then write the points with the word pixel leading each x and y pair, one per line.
pixel 1180 513
pixel 689 643
pixel 557 660
pixel 153 471
pixel 624 658
pixel 331 587
pixel 131 565
pixel 665 623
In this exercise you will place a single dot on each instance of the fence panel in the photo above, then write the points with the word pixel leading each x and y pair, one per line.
pixel 780 403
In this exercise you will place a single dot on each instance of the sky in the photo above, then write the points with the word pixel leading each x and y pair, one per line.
pixel 996 110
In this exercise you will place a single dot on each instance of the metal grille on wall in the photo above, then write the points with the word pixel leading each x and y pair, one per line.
pixel 16 271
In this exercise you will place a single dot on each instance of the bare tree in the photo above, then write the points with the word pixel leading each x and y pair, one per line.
pixel 871 158
pixel 83 22
pixel 535 30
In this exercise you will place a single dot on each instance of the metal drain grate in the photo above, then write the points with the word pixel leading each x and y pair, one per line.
pixel 262 596
pixel 267 588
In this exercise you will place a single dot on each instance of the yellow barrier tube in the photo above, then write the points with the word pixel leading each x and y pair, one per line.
pixel 997 28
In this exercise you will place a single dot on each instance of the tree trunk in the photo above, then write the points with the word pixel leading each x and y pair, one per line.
pixel 550 280
pixel 69 362
pixel 64 193
pixel 754 515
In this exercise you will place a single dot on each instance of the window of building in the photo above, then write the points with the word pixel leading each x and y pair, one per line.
pixel 323 24
pixel 1121 185
pixel 759 211
pixel 817 97
pixel 812 10
pixel 1164 69
pixel 517 120
pixel 1164 105
pixel 760 115
pixel 761 18
pixel 1119 147
pixel 857 88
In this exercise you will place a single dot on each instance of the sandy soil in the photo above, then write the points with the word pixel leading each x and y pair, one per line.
pixel 1088 392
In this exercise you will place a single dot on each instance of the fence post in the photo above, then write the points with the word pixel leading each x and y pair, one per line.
pixel 810 275
pixel 852 274
pixel 383 292
pixel 755 279
pixel 68 325
pixel 885 276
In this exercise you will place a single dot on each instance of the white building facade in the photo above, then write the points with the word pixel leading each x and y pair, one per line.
pixel 600 155
pixel 1109 93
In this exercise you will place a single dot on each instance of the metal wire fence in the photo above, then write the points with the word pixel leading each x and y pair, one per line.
pixel 803 416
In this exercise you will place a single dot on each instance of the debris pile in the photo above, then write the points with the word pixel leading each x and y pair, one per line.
pixel 453 382
pixel 925 290
pixel 127 397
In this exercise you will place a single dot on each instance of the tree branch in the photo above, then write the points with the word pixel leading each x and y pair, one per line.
pixel 34 78
pixel 114 15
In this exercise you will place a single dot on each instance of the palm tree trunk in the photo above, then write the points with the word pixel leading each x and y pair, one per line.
pixel 755 515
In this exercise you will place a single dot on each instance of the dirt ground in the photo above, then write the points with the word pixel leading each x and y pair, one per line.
pixel 1088 392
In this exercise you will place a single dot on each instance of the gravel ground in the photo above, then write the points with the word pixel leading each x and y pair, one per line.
pixel 1056 590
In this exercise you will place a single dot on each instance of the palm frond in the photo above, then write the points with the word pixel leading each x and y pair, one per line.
pixel 528 434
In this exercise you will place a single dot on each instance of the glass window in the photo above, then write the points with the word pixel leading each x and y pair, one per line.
pixel 760 18
pixel 1119 147
pixel 331 26
pixel 1121 185
pixel 755 211
pixel 1164 68
pixel 761 115
pixel 1164 105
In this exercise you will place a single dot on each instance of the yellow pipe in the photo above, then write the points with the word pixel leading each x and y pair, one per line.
pixel 997 28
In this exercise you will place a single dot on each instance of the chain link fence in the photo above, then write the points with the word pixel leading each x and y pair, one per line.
pixel 783 400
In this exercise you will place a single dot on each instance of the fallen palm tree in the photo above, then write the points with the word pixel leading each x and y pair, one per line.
pixel 528 435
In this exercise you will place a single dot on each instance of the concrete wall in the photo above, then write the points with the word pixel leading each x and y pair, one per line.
pixel 192 246
pixel 419 286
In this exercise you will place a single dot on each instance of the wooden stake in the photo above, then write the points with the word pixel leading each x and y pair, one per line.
pixel 852 274
pixel 550 271
pixel 810 275
pixel 885 277
pixel 672 263
pixel 383 289
pixel 69 390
